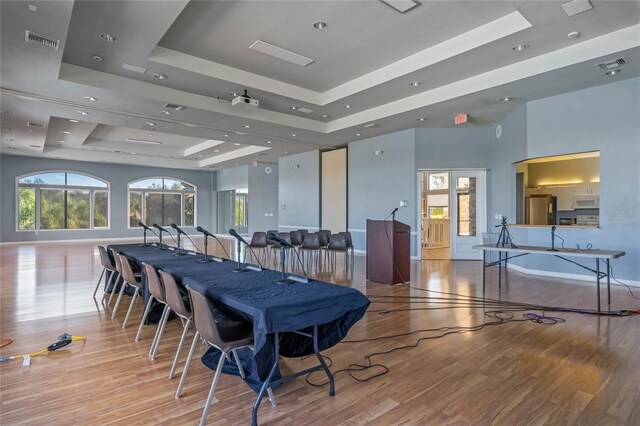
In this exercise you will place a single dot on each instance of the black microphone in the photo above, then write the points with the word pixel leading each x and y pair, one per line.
pixel 233 233
pixel 180 231
pixel 205 232
pixel 394 211
pixel 144 226
pixel 274 237
pixel 155 225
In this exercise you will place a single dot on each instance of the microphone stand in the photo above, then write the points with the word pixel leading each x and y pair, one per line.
pixel 206 256
pixel 393 216
pixel 160 235
pixel 283 280
pixel 553 239
pixel 144 236
pixel 179 253
pixel 239 268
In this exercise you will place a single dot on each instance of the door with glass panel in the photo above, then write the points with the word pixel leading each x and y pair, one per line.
pixel 468 213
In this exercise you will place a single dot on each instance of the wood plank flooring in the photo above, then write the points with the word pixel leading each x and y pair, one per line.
pixel 584 371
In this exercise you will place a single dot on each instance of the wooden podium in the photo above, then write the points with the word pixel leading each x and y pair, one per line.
pixel 388 242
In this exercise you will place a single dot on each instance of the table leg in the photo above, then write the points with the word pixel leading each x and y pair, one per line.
pixel 608 284
pixel 484 270
pixel 598 279
pixel 332 390
pixel 265 385
pixel 499 271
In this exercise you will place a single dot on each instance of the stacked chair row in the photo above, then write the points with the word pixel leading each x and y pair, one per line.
pixel 310 245
pixel 212 327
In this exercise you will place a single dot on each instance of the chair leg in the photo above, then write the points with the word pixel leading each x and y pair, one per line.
pixel 212 391
pixel 113 285
pixel 177 357
pixel 272 398
pixel 115 308
pixel 98 284
pixel 106 286
pixel 240 369
pixel 155 335
pixel 187 363
pixel 133 302
pixel 144 317
pixel 161 325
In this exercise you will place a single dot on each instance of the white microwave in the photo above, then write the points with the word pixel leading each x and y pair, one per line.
pixel 586 202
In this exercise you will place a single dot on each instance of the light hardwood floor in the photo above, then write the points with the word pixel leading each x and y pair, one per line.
pixel 583 371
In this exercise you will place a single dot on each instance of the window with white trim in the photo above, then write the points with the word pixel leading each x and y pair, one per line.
pixel 163 201
pixel 61 200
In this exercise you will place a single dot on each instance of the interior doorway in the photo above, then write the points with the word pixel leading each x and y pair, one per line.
pixel 435 222
pixel 452 213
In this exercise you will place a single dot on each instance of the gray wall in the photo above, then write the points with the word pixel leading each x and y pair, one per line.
pixel 235 178
pixel 117 175
pixel 299 191
pixel 377 183
pixel 604 118
pixel 263 199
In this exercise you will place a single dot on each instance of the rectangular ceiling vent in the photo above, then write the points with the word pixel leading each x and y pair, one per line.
pixel 304 110
pixel 280 53
pixel 174 107
pixel 612 64
pixel 129 67
pixel 31 124
pixel 31 37
pixel 371 125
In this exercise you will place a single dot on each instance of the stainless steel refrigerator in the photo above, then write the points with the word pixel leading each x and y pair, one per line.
pixel 540 210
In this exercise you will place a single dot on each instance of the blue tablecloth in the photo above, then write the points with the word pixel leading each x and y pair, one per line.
pixel 271 307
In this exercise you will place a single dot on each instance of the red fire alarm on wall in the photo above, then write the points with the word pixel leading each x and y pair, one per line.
pixel 461 118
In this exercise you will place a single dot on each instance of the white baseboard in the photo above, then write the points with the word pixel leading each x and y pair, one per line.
pixel 567 276
pixel 96 240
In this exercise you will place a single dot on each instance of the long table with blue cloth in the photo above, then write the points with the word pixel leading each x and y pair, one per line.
pixel 291 320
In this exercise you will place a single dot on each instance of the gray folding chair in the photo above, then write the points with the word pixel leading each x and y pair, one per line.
pixel 156 288
pixel 107 267
pixel 221 332
pixel 129 279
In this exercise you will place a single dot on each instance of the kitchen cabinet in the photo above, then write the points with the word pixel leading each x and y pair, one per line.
pixel 565 198
pixel 588 189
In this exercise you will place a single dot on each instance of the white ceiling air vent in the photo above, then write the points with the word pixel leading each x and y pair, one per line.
pixel 31 37
pixel 31 124
pixel 174 107
pixel 612 64
pixel 304 110
pixel 371 125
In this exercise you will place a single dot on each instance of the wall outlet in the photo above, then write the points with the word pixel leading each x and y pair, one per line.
pixel 404 203
pixel 498 216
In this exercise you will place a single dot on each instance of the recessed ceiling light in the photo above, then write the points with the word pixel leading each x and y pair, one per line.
pixel 108 37
pixel 520 47
pixel 246 126
pixel 97 58
pixel 358 134
pixel 83 112
pixel 574 34
pixel 150 134
pixel 62 142
pixel 236 144
pixel 285 152
pixel 90 98
pixel 66 132
pixel 165 112
pixel 293 135
pixel 149 123
pixel 226 135
pixel 268 141
pixel 216 150
pixel 319 25
pixel 325 116
pixel 612 72
pixel 74 121
pixel 416 83
pixel 422 119
pixel 160 76
pixel 505 99
pixel 293 107
pixel 347 106
pixel 133 153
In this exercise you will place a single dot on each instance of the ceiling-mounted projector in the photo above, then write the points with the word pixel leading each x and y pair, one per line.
pixel 245 100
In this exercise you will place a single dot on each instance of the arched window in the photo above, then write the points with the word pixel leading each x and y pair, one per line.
pixel 61 200
pixel 163 201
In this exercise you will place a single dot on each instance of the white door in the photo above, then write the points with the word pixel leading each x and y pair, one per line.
pixel 468 208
